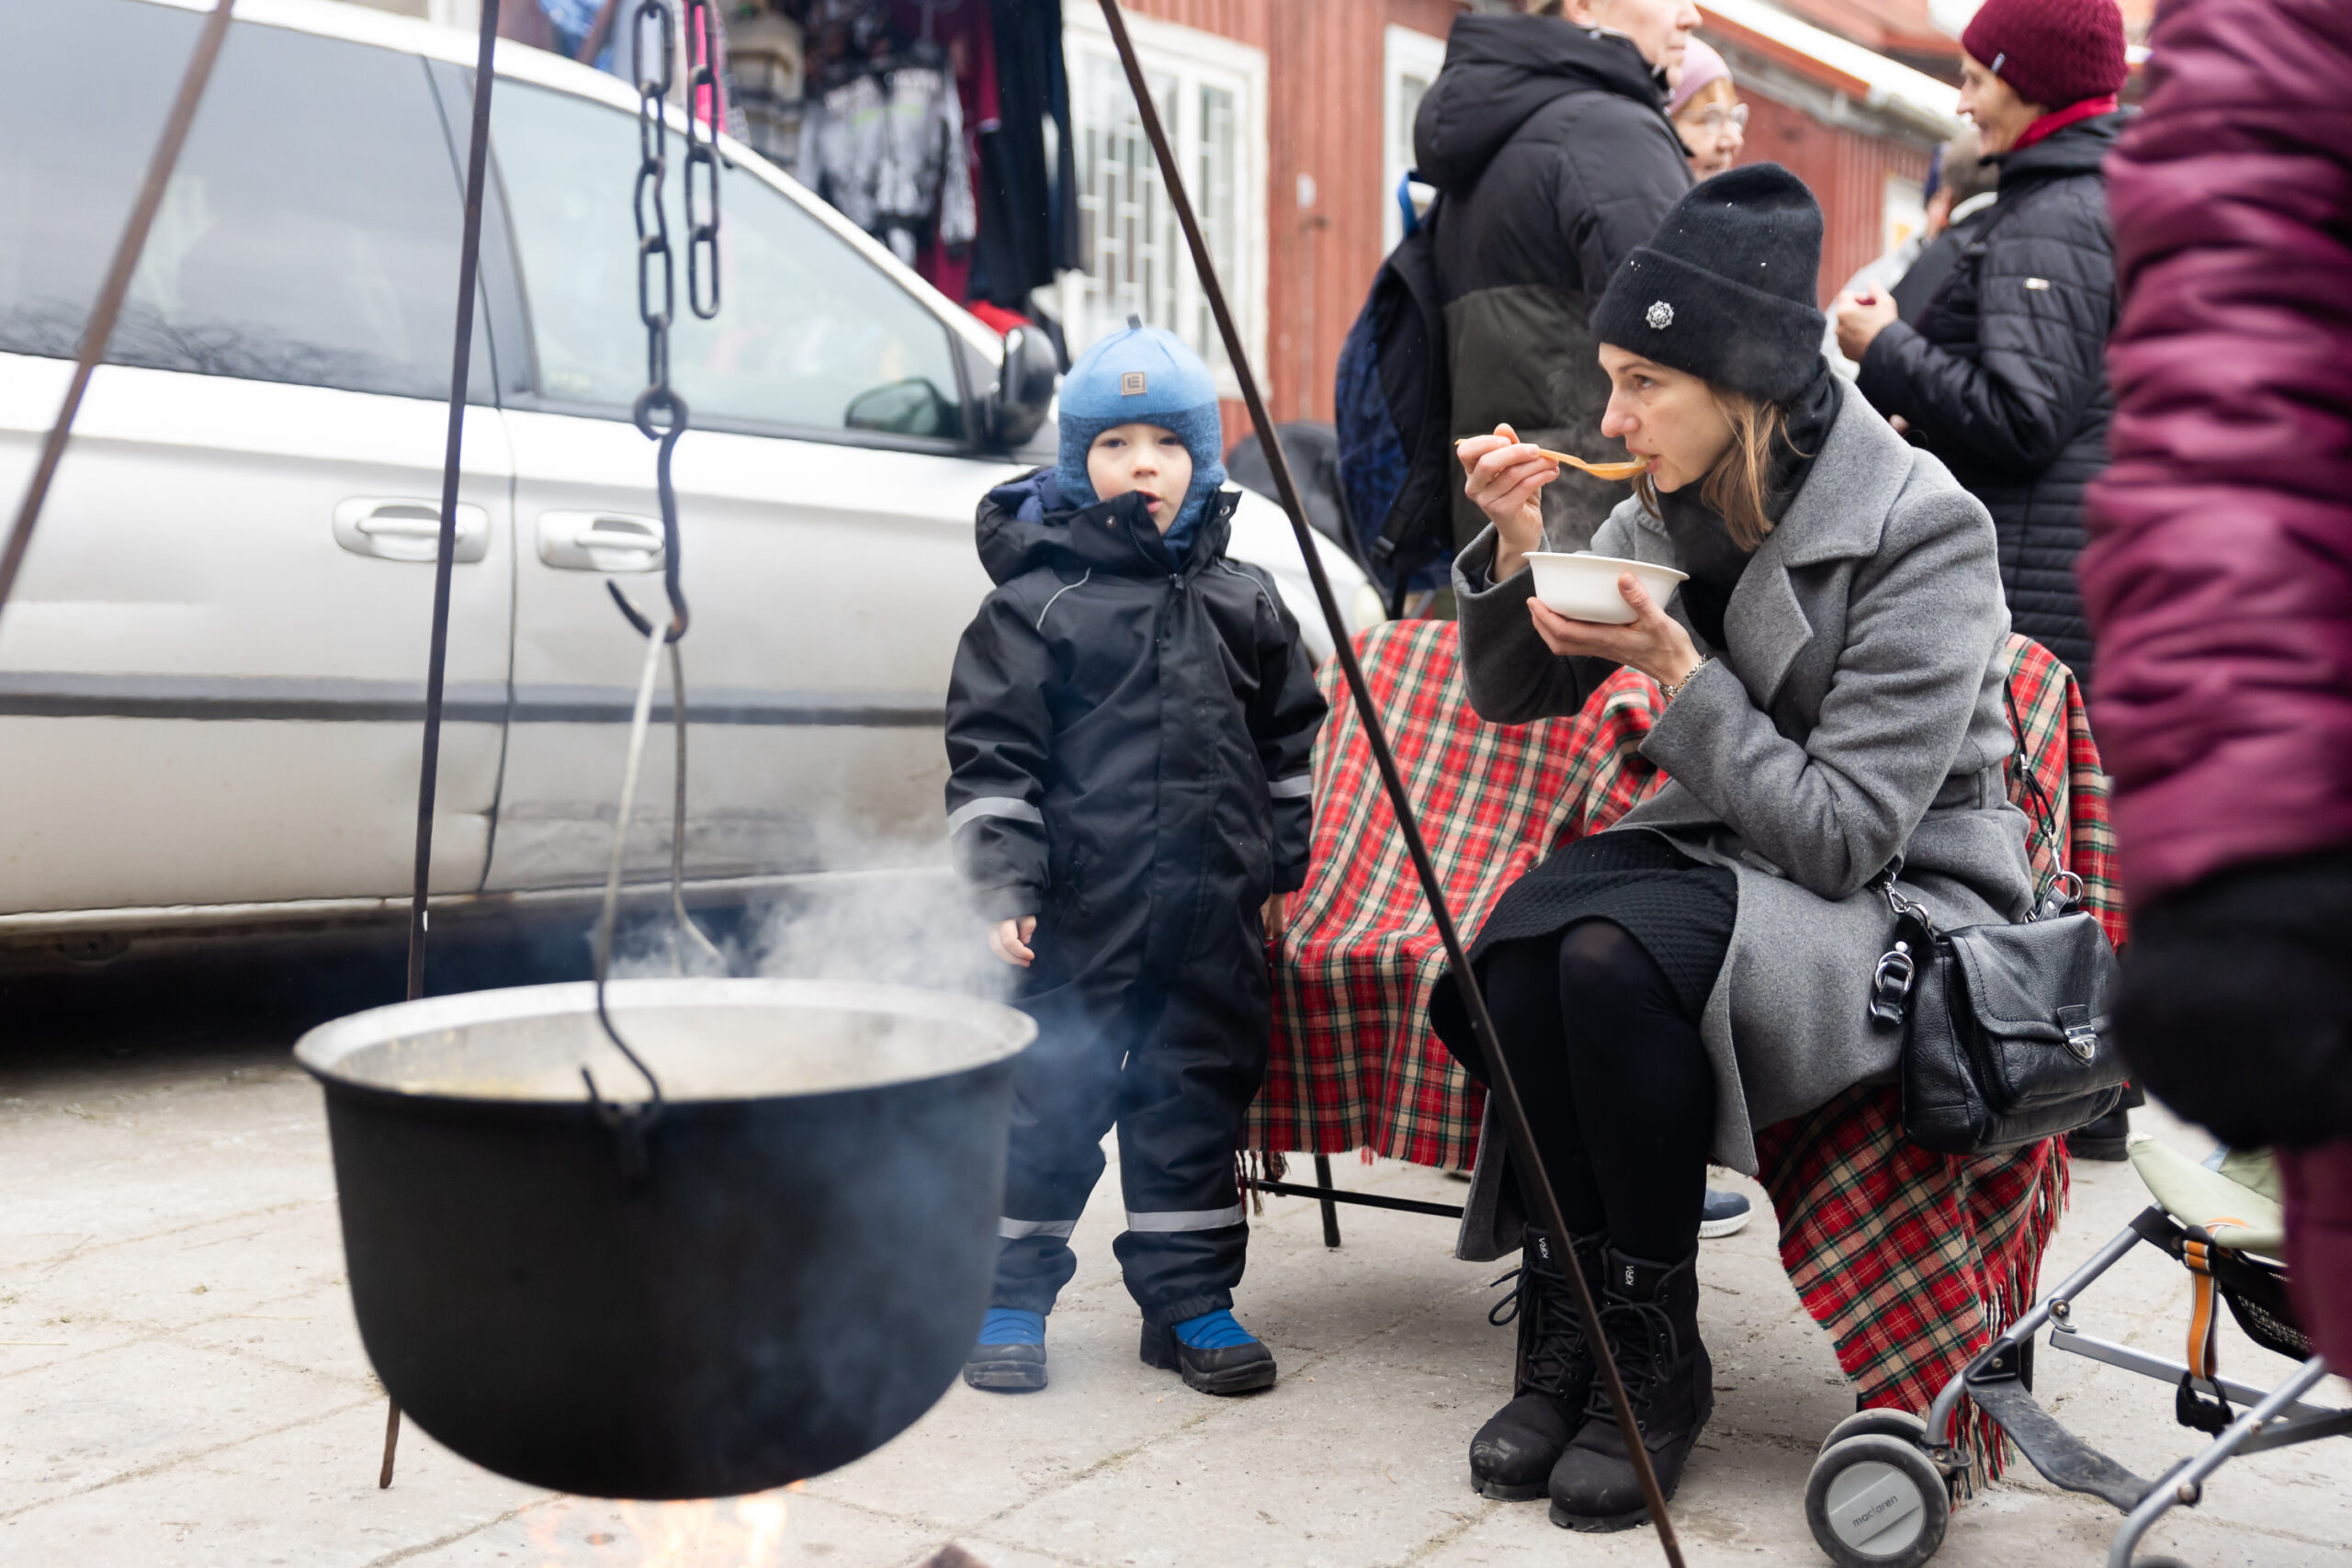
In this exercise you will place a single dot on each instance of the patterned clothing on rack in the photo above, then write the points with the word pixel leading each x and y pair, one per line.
pixel 886 147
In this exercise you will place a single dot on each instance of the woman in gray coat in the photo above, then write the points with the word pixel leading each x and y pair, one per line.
pixel 1833 671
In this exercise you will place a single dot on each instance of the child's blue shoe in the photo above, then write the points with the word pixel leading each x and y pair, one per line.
pixel 1011 1355
pixel 1215 1354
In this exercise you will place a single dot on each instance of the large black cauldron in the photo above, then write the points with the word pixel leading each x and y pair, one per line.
pixel 781 1278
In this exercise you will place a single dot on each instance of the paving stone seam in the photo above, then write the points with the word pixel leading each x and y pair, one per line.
pixel 973 1538
pixel 404 1553
pixel 146 1331
pixel 159 1466
pixel 83 1249
pixel 1107 1462
pixel 1463 1525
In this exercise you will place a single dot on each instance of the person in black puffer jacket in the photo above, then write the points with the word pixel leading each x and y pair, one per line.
pixel 2004 375
pixel 1129 726
pixel 1547 137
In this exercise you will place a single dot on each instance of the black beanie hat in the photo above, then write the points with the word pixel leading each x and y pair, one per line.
pixel 1725 287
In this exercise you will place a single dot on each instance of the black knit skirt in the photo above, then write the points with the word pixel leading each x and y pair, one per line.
pixel 1679 911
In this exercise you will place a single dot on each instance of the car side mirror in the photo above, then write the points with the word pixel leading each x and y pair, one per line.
pixel 1025 387
pixel 912 407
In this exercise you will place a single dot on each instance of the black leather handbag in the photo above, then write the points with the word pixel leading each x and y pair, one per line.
pixel 2006 1032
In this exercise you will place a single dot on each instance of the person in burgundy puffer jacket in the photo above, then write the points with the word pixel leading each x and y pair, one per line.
pixel 2219 579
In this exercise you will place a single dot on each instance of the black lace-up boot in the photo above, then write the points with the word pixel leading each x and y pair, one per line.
pixel 1514 1452
pixel 1650 1313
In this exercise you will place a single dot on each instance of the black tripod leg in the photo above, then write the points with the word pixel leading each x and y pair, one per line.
pixel 1330 1209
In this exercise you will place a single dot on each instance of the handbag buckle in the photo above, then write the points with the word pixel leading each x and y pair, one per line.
pixel 1891 983
pixel 2081 1035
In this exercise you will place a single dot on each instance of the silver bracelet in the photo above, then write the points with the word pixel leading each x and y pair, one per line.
pixel 1674 691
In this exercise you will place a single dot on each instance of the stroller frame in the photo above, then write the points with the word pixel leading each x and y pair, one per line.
pixel 1998 1380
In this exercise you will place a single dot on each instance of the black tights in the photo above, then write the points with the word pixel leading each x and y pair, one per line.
pixel 1615 1081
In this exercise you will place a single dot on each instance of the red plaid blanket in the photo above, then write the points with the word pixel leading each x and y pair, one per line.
pixel 1354 1063
pixel 1911 1260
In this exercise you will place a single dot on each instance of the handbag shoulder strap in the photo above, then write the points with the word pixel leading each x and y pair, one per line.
pixel 2044 816
pixel 2043 820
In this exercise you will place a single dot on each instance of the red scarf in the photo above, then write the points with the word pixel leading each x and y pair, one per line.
pixel 2059 120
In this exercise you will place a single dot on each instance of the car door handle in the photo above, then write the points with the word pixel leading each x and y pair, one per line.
pixel 600 541
pixel 392 527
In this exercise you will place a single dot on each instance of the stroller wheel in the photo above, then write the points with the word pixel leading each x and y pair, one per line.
pixel 1886 1423
pixel 1875 1501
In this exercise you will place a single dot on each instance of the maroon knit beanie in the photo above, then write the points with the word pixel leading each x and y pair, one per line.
pixel 2052 52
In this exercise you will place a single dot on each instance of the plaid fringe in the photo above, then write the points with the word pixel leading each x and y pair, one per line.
pixel 1258 1165
pixel 1912 1262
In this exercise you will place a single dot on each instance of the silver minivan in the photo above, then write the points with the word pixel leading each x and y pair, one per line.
pixel 211 677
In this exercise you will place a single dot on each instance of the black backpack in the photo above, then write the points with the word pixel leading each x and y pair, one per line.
pixel 1394 413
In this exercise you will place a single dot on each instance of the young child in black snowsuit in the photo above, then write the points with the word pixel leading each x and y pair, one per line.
pixel 1128 729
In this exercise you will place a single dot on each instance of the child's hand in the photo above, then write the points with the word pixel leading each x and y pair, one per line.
pixel 1277 915
pixel 1009 940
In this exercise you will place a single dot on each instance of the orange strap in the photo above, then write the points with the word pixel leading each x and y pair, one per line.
pixel 2203 1314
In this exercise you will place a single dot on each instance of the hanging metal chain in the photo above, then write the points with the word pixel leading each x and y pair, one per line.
pixel 702 154
pixel 661 415
pixel 660 412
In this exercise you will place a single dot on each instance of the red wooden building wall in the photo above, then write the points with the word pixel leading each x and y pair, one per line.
pixel 1848 172
pixel 1324 76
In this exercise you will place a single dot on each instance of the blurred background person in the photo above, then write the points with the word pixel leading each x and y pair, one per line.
pixel 1966 187
pixel 2219 577
pixel 1706 110
pixel 2004 375
pixel 1960 186
pixel 1929 250
pixel 1544 133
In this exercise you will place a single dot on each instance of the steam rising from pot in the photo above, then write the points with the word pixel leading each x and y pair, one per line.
pixel 912 928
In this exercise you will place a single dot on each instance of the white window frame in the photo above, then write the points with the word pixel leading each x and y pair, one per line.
pixel 1405 52
pixel 1196 60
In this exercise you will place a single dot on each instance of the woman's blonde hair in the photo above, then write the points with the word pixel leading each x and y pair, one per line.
pixel 1738 488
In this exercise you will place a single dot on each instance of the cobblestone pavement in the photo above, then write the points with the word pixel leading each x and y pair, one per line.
pixel 180 1380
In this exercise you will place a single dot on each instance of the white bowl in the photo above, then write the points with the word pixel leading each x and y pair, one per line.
pixel 1583 586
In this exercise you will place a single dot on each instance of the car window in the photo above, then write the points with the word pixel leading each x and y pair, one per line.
pixel 308 233
pixel 811 334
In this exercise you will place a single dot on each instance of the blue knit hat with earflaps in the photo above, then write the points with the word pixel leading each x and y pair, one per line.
pixel 1141 375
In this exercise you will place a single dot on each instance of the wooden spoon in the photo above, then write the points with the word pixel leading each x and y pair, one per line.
pixel 1598 470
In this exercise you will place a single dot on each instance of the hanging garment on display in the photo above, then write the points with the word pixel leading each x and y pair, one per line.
pixel 841 146
pixel 1028 190
pixel 965 31
pixel 885 146
pixel 924 183
pixel 768 54
pixel 841 126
